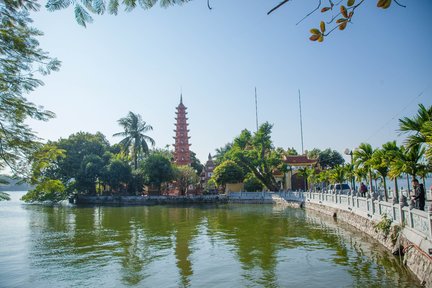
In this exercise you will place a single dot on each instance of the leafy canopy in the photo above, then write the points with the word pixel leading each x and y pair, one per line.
pixel 21 61
pixel 256 154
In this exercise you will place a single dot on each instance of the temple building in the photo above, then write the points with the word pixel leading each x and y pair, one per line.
pixel 293 180
pixel 182 154
pixel 207 171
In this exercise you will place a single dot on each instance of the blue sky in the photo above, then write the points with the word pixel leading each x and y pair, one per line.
pixel 354 86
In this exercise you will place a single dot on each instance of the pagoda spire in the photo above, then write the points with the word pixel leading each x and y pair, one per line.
pixel 181 145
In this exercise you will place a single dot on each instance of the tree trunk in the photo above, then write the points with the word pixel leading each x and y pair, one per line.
pixel 136 162
pixel 408 185
pixel 370 182
pixel 396 189
pixel 385 189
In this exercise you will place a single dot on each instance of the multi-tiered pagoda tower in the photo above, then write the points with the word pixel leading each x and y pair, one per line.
pixel 181 146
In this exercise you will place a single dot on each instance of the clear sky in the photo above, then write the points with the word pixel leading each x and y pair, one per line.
pixel 354 86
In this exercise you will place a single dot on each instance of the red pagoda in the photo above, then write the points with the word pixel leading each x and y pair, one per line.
pixel 181 146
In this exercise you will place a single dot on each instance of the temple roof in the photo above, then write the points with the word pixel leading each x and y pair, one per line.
pixel 299 160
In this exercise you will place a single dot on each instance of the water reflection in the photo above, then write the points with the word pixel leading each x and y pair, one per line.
pixel 228 245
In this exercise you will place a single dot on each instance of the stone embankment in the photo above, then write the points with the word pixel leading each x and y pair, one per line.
pixel 149 200
pixel 401 229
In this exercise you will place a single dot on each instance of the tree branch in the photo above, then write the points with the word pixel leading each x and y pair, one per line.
pixel 277 6
pixel 310 13
pixel 399 4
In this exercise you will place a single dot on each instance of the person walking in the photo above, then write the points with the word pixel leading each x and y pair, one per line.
pixel 363 189
pixel 419 194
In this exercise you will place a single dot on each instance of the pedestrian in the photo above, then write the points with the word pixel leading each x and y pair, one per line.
pixel 363 189
pixel 419 194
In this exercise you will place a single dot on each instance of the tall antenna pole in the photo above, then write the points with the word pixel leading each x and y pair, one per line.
pixel 301 123
pixel 256 109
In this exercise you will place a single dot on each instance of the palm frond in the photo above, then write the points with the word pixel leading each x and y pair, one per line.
pixel 82 16
pixel 129 5
pixel 53 5
pixel 113 7
pixel 147 4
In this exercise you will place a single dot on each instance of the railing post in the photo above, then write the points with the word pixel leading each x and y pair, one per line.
pixel 402 203
pixel 430 222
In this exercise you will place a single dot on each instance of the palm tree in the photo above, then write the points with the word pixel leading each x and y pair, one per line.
pixel 312 177
pixel 420 129
pixel 362 158
pixel 338 174
pixel 413 156
pixel 392 154
pixel 381 164
pixel 135 141
pixel 408 162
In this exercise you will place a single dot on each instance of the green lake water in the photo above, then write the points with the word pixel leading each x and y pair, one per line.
pixel 199 246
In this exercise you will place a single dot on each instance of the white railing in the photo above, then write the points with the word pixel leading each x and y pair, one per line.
pixel 420 221
pixel 417 220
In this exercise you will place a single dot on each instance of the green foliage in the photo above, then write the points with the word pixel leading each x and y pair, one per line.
pixel 419 130
pixel 384 225
pixel 86 155
pixel 342 19
pixel 44 162
pixel 252 184
pixel 135 140
pixel 211 185
pixel 185 176
pixel 328 158
pixel 196 164
pixel 157 169
pixel 314 153
pixel 338 174
pixel 291 151
pixel 136 183
pixel 21 61
pixel 362 157
pixel 255 154
pixel 118 174
pixel 82 14
pixel 47 190
pixel 4 196
pixel 221 152
pixel 228 172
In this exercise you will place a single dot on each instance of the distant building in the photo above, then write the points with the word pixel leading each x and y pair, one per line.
pixel 207 171
pixel 182 154
pixel 293 180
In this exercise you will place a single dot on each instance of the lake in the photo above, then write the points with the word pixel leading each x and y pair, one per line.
pixel 194 246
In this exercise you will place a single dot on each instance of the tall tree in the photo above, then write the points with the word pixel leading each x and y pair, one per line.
pixel 408 162
pixel 362 158
pixel 256 154
pixel 392 155
pixel 157 169
pixel 220 153
pixel 196 164
pixel 329 158
pixel 419 128
pixel 381 163
pixel 85 156
pixel 228 172
pixel 21 61
pixel 135 140
pixel 185 176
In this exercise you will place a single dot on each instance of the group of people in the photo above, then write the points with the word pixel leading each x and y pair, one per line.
pixel 418 197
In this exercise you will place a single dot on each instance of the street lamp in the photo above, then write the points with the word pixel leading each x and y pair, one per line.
pixel 350 152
